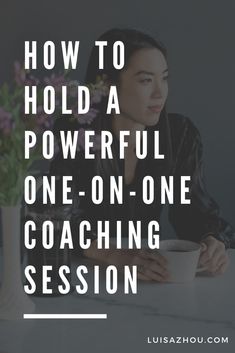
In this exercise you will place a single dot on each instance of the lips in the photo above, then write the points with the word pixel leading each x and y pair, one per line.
pixel 155 108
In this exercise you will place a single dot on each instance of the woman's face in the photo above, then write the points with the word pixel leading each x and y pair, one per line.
pixel 143 87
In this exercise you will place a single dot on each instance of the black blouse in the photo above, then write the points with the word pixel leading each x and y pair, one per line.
pixel 181 145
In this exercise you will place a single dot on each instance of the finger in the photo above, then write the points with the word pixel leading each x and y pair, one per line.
pixel 141 273
pixel 203 255
pixel 203 247
pixel 155 267
pixel 155 276
pixel 214 264
pixel 222 268
pixel 214 244
pixel 224 259
pixel 208 253
pixel 152 270
pixel 143 277
pixel 215 260
pixel 219 253
pixel 156 256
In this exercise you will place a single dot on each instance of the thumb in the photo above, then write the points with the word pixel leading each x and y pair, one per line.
pixel 203 246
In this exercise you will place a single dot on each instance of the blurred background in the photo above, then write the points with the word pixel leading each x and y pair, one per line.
pixel 199 36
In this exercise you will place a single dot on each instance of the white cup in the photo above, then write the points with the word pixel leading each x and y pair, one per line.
pixel 182 259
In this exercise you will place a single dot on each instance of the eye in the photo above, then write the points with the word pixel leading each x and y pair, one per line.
pixel 165 78
pixel 146 80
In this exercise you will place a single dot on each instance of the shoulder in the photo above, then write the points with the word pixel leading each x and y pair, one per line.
pixel 183 130
pixel 180 123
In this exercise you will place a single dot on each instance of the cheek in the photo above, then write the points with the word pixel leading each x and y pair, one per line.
pixel 142 96
pixel 165 91
pixel 133 99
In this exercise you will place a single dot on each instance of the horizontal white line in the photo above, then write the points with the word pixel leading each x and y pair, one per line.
pixel 81 193
pixel 65 316
pixel 132 193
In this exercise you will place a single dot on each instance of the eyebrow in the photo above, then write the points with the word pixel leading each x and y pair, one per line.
pixel 148 72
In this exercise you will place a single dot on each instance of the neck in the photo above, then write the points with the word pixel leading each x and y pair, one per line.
pixel 124 122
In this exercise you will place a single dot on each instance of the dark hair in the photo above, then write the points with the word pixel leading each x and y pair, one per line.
pixel 133 40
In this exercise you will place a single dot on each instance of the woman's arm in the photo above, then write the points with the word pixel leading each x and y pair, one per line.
pixel 202 217
pixel 200 221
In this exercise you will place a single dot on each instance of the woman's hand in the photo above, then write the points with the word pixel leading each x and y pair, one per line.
pixel 151 266
pixel 213 256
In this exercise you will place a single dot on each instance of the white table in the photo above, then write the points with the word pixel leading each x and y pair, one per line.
pixel 205 307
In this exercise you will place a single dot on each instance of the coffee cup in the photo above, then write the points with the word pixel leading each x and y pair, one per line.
pixel 182 259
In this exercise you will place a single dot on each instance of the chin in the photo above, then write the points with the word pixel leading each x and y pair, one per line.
pixel 153 119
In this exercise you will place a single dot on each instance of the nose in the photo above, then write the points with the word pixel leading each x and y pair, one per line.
pixel 157 90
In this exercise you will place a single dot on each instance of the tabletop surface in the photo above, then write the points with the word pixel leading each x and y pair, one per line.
pixel 202 308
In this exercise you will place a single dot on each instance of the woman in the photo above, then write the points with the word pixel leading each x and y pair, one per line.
pixel 142 91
